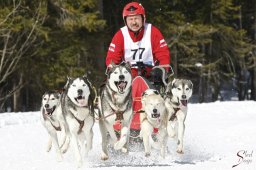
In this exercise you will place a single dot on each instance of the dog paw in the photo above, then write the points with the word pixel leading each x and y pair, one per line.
pixel 79 164
pixel 180 151
pixel 124 150
pixel 63 150
pixel 147 154
pixel 48 149
pixel 65 147
pixel 119 145
pixel 104 156
pixel 59 158
pixel 162 153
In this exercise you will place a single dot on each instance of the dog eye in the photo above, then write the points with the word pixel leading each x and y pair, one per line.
pixel 115 72
pixel 125 72
pixel 45 99
pixel 73 85
pixel 84 84
pixel 52 98
pixel 187 89
pixel 179 88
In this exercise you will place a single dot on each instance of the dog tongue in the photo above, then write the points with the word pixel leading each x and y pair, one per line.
pixel 81 102
pixel 48 111
pixel 184 102
pixel 122 85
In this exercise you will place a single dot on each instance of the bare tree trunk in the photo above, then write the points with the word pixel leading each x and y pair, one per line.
pixel 240 18
pixel 253 74
pixel 14 46
pixel 200 91
pixel 16 101
pixel 100 49
pixel 253 84
pixel 202 87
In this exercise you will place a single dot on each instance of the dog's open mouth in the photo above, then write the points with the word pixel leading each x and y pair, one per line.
pixel 155 115
pixel 184 102
pixel 121 85
pixel 49 111
pixel 80 100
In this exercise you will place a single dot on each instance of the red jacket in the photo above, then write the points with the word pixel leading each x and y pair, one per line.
pixel 160 51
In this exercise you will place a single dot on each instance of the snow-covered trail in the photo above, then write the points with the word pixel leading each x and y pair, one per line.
pixel 215 132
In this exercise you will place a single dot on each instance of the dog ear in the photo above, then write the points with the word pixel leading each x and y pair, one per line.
pixel 191 84
pixel 126 64
pixel 112 64
pixel 59 91
pixel 143 94
pixel 168 87
pixel 85 76
pixel 69 78
pixel 173 83
pixel 57 94
pixel 43 95
pixel 109 67
pixel 67 83
pixel 156 92
pixel 143 100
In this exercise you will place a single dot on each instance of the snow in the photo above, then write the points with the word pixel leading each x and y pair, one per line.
pixel 215 133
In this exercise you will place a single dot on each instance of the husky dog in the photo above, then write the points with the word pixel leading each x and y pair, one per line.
pixel 153 115
pixel 53 121
pixel 177 95
pixel 78 111
pixel 115 104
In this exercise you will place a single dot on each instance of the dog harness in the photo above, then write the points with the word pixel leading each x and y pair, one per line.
pixel 81 122
pixel 173 116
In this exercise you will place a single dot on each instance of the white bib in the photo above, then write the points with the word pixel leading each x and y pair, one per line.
pixel 140 51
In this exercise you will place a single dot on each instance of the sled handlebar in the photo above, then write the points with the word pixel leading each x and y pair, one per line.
pixel 140 65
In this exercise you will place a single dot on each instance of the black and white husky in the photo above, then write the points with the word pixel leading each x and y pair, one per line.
pixel 177 95
pixel 78 111
pixel 116 105
pixel 53 121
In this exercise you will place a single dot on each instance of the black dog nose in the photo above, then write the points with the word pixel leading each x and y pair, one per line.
pixel 80 91
pixel 121 77
pixel 183 96
pixel 155 110
pixel 46 105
